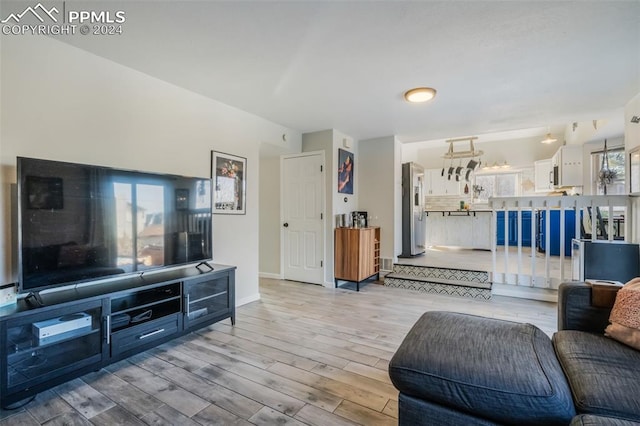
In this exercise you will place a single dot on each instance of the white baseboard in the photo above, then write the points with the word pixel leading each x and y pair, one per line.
pixel 249 299
pixel 533 293
pixel 270 275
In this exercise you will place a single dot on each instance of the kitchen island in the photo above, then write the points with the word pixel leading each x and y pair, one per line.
pixel 459 228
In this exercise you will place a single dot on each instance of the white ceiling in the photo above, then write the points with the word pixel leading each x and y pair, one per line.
pixel 498 66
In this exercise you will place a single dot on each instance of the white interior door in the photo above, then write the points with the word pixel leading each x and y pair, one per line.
pixel 302 218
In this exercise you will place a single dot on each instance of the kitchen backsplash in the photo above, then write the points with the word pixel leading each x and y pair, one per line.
pixel 446 202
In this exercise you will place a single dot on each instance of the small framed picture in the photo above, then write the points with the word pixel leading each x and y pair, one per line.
pixel 345 172
pixel 634 171
pixel 229 183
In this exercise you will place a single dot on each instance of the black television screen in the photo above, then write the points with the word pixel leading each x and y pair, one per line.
pixel 80 222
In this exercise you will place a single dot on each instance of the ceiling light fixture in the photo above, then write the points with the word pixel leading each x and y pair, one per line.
pixel 420 94
pixel 471 153
pixel 548 139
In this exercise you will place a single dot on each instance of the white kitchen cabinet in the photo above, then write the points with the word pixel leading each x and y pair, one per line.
pixel 481 230
pixel 438 185
pixel 567 166
pixel 460 229
pixel 543 175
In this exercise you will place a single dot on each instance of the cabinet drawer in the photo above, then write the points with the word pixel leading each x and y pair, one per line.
pixel 130 338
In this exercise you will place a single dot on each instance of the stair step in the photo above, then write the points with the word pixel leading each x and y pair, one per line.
pixel 465 289
pixel 432 273
pixel 461 283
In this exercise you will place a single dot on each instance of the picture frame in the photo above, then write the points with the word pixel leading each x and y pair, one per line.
pixel 345 171
pixel 634 171
pixel 44 193
pixel 229 175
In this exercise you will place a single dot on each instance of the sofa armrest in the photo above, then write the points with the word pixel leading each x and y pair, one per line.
pixel 576 311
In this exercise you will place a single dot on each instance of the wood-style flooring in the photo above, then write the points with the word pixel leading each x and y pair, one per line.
pixel 302 355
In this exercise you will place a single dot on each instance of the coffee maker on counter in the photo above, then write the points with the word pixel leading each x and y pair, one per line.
pixel 359 219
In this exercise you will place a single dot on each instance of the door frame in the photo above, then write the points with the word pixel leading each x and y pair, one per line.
pixel 323 193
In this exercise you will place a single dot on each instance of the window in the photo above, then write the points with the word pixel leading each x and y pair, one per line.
pixel 139 222
pixel 497 185
pixel 617 163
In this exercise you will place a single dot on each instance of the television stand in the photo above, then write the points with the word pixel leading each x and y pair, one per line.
pixel 34 300
pixel 204 263
pixel 83 329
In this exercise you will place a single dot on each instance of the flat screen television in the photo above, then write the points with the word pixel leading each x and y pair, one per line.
pixel 80 222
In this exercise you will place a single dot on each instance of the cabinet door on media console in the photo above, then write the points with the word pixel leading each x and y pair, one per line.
pixel 209 298
pixel 50 346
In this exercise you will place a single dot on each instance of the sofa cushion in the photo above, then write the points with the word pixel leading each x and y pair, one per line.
pixel 604 375
pixel 501 371
pixel 414 411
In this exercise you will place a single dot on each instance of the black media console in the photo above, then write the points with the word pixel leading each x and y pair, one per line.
pixel 85 328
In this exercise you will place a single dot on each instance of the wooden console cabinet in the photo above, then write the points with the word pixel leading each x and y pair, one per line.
pixel 357 254
pixel 85 328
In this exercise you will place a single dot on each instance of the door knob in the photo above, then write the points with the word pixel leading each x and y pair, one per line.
pixel 286 225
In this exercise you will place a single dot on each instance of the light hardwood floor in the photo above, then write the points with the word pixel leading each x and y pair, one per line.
pixel 303 354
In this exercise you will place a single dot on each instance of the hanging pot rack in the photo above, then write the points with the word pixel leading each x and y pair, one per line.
pixel 471 153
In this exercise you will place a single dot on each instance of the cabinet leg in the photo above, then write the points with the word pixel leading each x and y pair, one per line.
pixel 233 320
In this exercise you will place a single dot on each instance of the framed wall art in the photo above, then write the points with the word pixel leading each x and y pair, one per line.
pixel 345 172
pixel 228 173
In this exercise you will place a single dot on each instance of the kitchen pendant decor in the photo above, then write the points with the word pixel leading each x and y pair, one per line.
pixel 606 175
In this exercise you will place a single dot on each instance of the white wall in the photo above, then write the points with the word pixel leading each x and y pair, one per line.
pixel 269 249
pixel 632 140
pixel 352 203
pixel 632 130
pixel 63 103
pixel 378 186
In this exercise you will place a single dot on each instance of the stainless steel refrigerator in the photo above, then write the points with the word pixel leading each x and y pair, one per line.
pixel 413 215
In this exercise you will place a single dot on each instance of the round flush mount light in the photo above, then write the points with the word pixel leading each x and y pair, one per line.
pixel 420 94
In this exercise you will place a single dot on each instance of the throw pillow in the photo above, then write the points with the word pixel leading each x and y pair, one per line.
pixel 625 315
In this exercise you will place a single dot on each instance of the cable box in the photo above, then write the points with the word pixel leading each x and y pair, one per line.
pixel 55 329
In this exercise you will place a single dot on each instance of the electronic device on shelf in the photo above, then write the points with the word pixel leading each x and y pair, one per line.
pixel 63 327
pixel 612 261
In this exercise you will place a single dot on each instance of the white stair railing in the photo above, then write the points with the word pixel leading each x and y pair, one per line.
pixel 544 270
